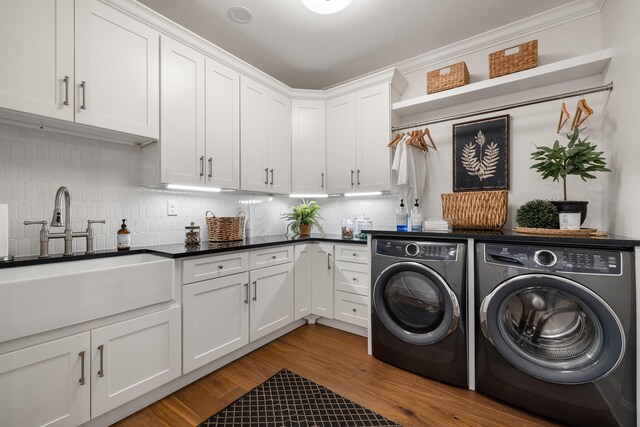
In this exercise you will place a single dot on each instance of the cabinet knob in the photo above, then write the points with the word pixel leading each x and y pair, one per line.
pixel 354 310
pixel 355 279
pixel 220 267
pixel 355 254
pixel 273 257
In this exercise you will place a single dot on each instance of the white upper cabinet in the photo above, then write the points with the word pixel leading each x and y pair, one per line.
pixel 358 127
pixel 309 144
pixel 36 47
pixel 117 70
pixel 266 138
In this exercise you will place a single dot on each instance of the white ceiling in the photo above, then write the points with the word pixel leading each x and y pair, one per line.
pixel 310 51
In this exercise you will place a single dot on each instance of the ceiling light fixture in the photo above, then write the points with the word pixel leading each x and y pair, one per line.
pixel 326 7
pixel 240 15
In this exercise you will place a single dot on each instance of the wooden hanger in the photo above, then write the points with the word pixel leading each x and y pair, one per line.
pixel 564 116
pixel 427 132
pixel 395 140
pixel 417 140
pixel 581 108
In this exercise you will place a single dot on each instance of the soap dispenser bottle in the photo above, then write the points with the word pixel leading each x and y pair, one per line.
pixel 124 237
pixel 401 217
pixel 416 218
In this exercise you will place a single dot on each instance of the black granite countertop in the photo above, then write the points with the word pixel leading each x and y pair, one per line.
pixel 179 250
pixel 610 241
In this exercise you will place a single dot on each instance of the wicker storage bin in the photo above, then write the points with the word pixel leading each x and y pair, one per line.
pixel 476 210
pixel 447 77
pixel 525 57
pixel 225 228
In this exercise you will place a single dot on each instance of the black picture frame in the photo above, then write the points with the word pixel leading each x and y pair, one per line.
pixel 481 154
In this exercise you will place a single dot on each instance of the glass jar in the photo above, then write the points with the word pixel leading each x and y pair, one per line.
pixel 347 229
pixel 363 223
pixel 192 235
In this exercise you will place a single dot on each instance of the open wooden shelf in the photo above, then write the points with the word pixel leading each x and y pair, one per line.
pixel 557 72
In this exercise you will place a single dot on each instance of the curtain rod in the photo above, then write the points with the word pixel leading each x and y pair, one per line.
pixel 607 87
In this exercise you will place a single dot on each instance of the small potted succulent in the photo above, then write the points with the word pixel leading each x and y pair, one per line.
pixel 537 214
pixel 578 157
pixel 302 217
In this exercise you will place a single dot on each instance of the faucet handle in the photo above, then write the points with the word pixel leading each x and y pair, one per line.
pixel 43 223
pixel 96 221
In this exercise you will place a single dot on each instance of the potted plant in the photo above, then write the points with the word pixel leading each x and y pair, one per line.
pixel 303 217
pixel 578 157
pixel 537 214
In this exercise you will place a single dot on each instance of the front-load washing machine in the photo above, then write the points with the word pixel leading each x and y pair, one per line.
pixel 557 331
pixel 418 307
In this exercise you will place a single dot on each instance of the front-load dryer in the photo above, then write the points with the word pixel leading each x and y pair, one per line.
pixel 418 307
pixel 556 331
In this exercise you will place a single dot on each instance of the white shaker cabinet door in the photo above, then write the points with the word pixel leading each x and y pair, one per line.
pixel 303 278
pixel 117 70
pixel 254 174
pixel 341 141
pixel 36 47
pixel 323 267
pixel 47 384
pixel 222 126
pixel 309 147
pixel 271 299
pixel 182 130
pixel 279 143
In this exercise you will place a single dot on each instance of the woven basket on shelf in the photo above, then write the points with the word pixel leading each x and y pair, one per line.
pixel 225 228
pixel 524 57
pixel 476 210
pixel 447 77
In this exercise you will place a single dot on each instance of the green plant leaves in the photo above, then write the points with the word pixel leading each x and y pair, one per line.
pixel 304 213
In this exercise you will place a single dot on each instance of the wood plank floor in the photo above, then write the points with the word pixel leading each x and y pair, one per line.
pixel 339 361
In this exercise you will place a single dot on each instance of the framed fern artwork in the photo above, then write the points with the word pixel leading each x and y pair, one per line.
pixel 481 155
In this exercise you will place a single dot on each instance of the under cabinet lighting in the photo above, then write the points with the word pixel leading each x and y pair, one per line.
pixel 193 188
pixel 372 193
pixel 326 7
pixel 308 196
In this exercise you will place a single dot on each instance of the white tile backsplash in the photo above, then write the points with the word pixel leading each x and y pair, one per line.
pixel 104 180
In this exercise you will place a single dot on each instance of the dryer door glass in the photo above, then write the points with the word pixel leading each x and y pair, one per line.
pixel 415 303
pixel 553 328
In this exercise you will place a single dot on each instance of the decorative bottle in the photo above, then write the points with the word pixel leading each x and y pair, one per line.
pixel 416 218
pixel 124 237
pixel 401 217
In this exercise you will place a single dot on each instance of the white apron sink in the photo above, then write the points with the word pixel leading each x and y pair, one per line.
pixel 40 298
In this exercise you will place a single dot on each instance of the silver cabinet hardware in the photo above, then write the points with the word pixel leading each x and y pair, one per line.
pixel 255 290
pixel 66 90
pixel 329 261
pixel 101 371
pixel 355 279
pixel 358 178
pixel 83 86
pixel 271 172
pixel 352 177
pixel 355 254
pixel 201 165
pixel 354 310
pixel 273 257
pixel 322 184
pixel 246 293
pixel 210 167
pixel 266 176
pixel 220 267
pixel 81 380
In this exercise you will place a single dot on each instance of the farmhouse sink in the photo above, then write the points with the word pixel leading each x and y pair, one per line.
pixel 44 297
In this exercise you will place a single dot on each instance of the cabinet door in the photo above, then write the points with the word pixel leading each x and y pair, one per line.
pixel 216 319
pixel 302 279
pixel 373 122
pixel 279 143
pixel 254 174
pixel 36 44
pixel 222 126
pixel 271 300
pixel 309 147
pixel 117 59
pixel 323 266
pixel 341 144
pixel 182 150
pixel 42 385
pixel 133 357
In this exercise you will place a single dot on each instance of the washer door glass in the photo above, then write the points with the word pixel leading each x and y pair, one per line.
pixel 415 303
pixel 553 328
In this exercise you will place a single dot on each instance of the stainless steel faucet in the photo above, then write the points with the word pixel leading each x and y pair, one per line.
pixel 68 235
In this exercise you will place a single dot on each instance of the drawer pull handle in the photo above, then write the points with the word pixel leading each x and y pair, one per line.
pixel 329 261
pixel 81 381
pixel 355 279
pixel 83 86
pixel 354 310
pixel 255 290
pixel 101 371
pixel 66 94
pixel 220 267
pixel 273 257
pixel 246 293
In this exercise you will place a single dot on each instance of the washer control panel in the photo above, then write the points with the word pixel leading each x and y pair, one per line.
pixel 555 259
pixel 434 251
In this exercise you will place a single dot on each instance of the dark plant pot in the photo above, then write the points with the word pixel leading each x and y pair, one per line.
pixel 305 230
pixel 569 206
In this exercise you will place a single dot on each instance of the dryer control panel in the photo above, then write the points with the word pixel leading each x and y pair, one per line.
pixel 433 251
pixel 555 259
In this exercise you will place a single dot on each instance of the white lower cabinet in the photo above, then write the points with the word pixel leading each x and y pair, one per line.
pixel 302 279
pixel 43 385
pixel 322 279
pixel 352 282
pixel 351 308
pixel 271 306
pixel 216 319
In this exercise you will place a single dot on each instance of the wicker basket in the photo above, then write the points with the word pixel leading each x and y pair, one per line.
pixel 476 210
pixel 501 62
pixel 225 228
pixel 447 77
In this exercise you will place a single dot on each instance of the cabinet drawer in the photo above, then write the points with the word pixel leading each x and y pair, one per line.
pixel 271 256
pixel 352 253
pixel 195 270
pixel 352 277
pixel 351 308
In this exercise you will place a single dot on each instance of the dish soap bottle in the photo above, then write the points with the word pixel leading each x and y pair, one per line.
pixel 124 237
pixel 416 218
pixel 401 217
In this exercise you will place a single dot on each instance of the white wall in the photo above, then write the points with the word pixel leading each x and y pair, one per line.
pixel 620 197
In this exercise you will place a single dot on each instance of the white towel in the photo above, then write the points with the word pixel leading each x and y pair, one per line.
pixel 410 163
